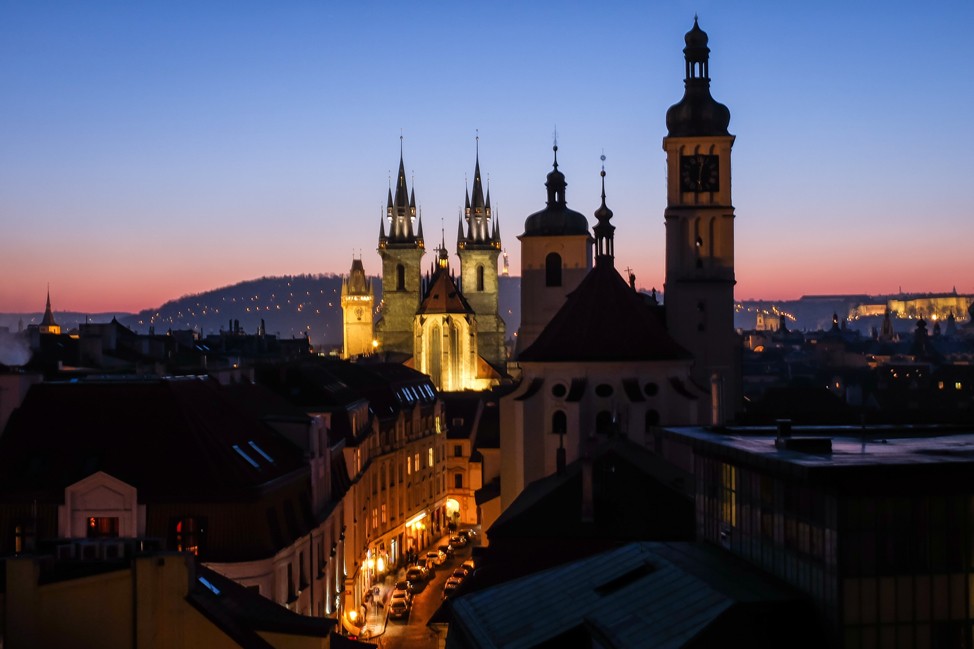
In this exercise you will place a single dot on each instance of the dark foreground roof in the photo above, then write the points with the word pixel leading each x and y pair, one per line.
pixel 178 440
pixel 640 595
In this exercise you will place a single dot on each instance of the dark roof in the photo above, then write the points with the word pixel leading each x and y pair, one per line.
pixel 242 613
pixel 638 595
pixel 636 496
pixel 171 439
pixel 604 319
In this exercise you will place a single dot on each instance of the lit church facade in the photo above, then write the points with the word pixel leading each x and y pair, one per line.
pixel 447 327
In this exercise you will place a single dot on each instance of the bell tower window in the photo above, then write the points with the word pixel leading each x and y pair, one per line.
pixel 552 269
pixel 480 278
pixel 400 277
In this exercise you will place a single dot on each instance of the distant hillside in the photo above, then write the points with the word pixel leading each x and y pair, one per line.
pixel 289 307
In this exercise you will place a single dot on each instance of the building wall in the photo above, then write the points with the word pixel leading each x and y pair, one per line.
pixel 540 302
pixel 394 329
pixel 144 607
pixel 887 566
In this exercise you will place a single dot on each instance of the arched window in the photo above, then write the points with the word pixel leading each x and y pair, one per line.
pixel 480 278
pixel 559 423
pixel 552 269
pixel 400 277
pixel 603 422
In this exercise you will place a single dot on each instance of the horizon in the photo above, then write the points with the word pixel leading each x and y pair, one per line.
pixel 110 312
pixel 156 152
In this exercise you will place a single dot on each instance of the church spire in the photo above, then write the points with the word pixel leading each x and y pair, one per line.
pixel 477 210
pixel 604 237
pixel 401 208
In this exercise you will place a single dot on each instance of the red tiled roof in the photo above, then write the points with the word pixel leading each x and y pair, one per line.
pixel 604 319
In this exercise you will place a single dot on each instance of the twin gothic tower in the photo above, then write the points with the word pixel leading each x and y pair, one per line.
pixel 450 326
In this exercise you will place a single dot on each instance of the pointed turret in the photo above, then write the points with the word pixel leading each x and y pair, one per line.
pixel 604 237
pixel 477 211
pixel 48 325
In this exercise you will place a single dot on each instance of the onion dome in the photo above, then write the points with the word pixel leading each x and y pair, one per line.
pixel 556 218
pixel 697 113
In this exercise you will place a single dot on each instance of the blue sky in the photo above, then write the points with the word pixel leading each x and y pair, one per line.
pixel 154 149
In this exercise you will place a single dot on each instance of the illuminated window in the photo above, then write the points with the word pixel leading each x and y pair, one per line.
pixel 728 494
pixel 429 456
pixel 552 269
pixel 18 539
pixel 940 385
pixel 102 527
pixel 416 461
pixel 383 512
pixel 188 535
pixel 409 466
pixel 957 386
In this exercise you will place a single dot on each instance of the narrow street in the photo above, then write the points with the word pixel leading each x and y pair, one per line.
pixel 412 633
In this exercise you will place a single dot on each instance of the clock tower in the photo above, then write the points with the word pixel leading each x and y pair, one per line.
pixel 357 301
pixel 699 216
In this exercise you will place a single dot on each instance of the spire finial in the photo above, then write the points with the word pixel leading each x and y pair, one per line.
pixel 555 146
pixel 602 158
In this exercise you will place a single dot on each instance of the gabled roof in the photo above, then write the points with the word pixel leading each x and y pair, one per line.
pixel 443 296
pixel 604 319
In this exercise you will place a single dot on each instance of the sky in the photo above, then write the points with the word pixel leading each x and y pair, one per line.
pixel 150 150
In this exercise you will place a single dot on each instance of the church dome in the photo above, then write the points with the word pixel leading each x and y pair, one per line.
pixel 556 218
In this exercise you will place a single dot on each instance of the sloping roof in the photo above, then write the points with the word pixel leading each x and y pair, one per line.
pixel 174 440
pixel 443 296
pixel 604 319
pixel 636 496
pixel 639 595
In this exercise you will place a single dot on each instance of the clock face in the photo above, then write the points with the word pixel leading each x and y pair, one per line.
pixel 359 313
pixel 699 173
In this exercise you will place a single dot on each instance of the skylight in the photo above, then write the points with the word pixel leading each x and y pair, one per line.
pixel 209 586
pixel 249 459
pixel 264 455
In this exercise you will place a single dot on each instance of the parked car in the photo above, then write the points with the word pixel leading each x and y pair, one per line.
pixel 447 550
pixel 404 588
pixel 458 541
pixel 436 557
pixel 417 574
pixel 469 564
pixel 399 607
pixel 461 572
pixel 469 534
pixel 450 586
